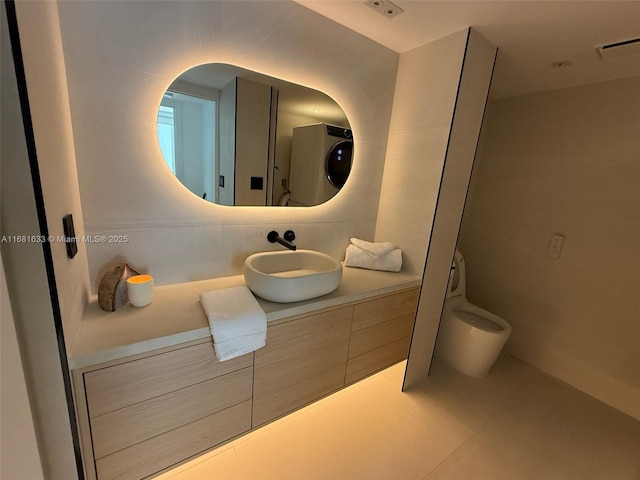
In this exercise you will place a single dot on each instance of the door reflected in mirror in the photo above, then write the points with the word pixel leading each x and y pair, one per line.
pixel 236 137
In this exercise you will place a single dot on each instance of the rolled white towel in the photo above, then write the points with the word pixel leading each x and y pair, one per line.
pixel 237 323
pixel 375 250
pixel 390 261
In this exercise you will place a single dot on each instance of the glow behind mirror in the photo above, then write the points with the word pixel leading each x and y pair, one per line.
pixel 236 137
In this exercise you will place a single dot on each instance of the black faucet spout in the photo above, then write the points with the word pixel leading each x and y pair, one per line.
pixel 289 237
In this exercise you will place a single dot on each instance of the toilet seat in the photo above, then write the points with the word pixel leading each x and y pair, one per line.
pixel 478 321
pixel 476 317
pixel 469 338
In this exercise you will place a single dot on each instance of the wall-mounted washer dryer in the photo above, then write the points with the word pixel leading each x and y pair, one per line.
pixel 321 157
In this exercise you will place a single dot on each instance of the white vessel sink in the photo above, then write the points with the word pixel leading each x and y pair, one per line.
pixel 289 276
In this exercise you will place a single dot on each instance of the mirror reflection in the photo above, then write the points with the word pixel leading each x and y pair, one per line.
pixel 236 137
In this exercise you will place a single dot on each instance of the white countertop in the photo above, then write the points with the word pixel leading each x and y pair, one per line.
pixel 175 315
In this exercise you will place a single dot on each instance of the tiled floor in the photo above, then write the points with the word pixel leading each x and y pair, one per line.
pixel 517 423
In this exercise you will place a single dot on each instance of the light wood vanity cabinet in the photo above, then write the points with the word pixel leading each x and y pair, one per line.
pixel 380 333
pixel 309 357
pixel 304 359
pixel 142 414
pixel 151 412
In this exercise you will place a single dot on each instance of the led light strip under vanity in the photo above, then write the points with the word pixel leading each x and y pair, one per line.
pixel 151 394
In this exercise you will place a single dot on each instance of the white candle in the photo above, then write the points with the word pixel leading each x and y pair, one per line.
pixel 140 290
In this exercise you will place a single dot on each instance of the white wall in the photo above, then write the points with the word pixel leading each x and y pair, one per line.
pixel 253 118
pixel 120 58
pixel 286 122
pixel 437 113
pixel 423 106
pixel 189 150
pixel 49 102
pixel 19 456
pixel 567 162
pixel 24 262
pixel 227 147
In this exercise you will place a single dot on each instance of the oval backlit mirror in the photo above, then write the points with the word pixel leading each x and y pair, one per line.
pixel 236 137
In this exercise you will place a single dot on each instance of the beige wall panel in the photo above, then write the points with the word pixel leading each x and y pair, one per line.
pixel 49 108
pixel 423 105
pixel 253 114
pixel 19 458
pixel 474 58
pixel 563 162
pixel 172 233
pixel 24 263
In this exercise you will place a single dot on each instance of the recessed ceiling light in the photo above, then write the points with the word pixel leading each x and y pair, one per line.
pixel 384 7
pixel 562 64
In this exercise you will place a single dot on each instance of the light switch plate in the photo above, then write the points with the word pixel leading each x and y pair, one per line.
pixel 70 235
pixel 555 247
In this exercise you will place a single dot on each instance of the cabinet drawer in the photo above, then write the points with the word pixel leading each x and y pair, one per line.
pixel 163 451
pixel 376 360
pixel 303 360
pixel 382 309
pixel 127 426
pixel 118 386
pixel 371 338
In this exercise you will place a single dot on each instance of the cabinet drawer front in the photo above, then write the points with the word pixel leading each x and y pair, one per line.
pixel 379 335
pixel 377 311
pixel 135 423
pixel 163 451
pixel 122 385
pixel 303 360
pixel 376 360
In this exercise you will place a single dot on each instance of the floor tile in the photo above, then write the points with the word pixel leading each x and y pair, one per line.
pixel 478 461
pixel 370 430
pixel 515 424
pixel 554 431
pixel 474 400
pixel 180 472
pixel 224 465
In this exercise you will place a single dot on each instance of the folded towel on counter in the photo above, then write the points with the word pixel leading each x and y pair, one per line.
pixel 374 250
pixel 237 323
pixel 373 256
pixel 238 346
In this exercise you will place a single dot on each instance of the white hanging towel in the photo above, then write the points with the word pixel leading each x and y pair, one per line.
pixel 373 256
pixel 237 323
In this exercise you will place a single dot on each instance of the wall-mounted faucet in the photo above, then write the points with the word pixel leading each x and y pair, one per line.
pixel 289 237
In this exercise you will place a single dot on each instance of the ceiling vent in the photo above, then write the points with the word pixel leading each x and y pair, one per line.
pixel 625 48
pixel 384 8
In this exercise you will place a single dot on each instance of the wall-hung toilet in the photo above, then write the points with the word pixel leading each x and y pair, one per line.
pixel 470 338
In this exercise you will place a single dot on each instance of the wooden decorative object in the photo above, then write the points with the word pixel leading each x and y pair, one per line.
pixel 112 291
